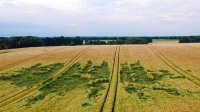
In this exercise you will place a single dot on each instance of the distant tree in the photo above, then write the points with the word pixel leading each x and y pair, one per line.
pixel 1 44
pixel 119 41
pixel 148 39
pixel 30 42
pixel 185 40
pixel 86 41
pixel 189 39
pixel 68 41
pixel 77 40
pixel 133 40
pixel 95 42
pixel 110 42
pixel 72 44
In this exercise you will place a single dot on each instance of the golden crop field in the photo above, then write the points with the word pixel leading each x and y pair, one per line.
pixel 108 78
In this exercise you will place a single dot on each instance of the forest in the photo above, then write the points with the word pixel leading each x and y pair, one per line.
pixel 189 39
pixel 32 41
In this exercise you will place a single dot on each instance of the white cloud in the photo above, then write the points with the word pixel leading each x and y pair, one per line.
pixel 132 10
pixel 138 2
pixel 2 2
pixel 105 12
pixel 74 24
pixel 165 10
pixel 62 5
pixel 170 17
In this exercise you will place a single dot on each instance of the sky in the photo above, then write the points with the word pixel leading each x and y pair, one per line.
pixel 99 17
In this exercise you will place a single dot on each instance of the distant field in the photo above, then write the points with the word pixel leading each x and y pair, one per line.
pixel 99 40
pixel 106 78
pixel 165 41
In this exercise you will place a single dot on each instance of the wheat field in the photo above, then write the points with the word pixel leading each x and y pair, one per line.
pixel 121 78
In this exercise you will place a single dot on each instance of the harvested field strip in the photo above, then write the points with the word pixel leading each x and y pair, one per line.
pixel 26 60
pixel 109 101
pixel 20 95
pixel 176 68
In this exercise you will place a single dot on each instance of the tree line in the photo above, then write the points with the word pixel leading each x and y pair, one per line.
pixel 121 40
pixel 189 39
pixel 32 41
pixel 131 40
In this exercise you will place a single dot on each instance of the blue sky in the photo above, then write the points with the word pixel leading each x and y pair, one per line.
pixel 99 17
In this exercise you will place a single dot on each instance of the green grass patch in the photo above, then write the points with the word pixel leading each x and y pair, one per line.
pixel 101 71
pixel 142 95
pixel 178 77
pixel 66 82
pixel 89 77
pixel 136 73
pixel 99 76
pixel 96 86
pixel 33 75
pixel 87 67
pixel 172 91
pixel 85 104
pixel 125 73
pixel 133 87
pixel 189 70
pixel 142 82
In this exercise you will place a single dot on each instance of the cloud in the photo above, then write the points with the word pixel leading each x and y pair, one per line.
pixel 170 10
pixel 2 2
pixel 62 5
pixel 116 10
pixel 74 24
pixel 95 14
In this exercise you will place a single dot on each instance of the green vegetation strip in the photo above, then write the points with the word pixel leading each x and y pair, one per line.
pixel 142 83
pixel 89 77
pixel 30 76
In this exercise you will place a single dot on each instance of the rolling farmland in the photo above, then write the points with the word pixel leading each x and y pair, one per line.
pixel 115 78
